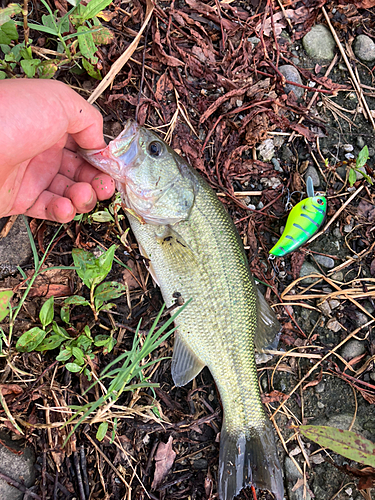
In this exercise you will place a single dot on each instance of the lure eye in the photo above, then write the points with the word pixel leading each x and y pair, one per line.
pixel 320 201
pixel 155 149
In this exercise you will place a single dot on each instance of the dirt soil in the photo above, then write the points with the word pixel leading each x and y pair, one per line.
pixel 215 93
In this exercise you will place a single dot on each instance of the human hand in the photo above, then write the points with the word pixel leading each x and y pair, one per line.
pixel 42 124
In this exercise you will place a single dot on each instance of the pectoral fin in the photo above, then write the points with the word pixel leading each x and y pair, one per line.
pixel 175 248
pixel 268 329
pixel 185 365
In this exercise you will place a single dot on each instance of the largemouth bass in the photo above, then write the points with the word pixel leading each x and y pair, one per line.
pixel 194 249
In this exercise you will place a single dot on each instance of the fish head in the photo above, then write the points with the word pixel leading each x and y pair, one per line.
pixel 154 181
pixel 316 205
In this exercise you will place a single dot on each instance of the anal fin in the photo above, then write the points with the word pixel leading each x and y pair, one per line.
pixel 185 365
pixel 268 328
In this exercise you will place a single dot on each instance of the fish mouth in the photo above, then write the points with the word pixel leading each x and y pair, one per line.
pixel 118 155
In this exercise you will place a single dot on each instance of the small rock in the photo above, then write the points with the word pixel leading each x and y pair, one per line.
pixel 360 142
pixel 200 464
pixel 352 349
pixel 358 173
pixel 348 148
pixel 325 308
pixel 287 154
pixel 349 156
pixel 15 249
pixel 17 464
pixel 325 261
pixel 272 182
pixel 362 318
pixel 254 40
pixel 312 172
pixel 371 152
pixel 343 421
pixel 307 269
pixel 338 276
pixel 260 205
pixel 290 73
pixel 333 325
pixel 333 304
pixel 276 165
pixel 266 149
pixel 319 43
pixel 320 387
pixel 337 232
pixel 364 48
pixel 292 475
pixel 320 405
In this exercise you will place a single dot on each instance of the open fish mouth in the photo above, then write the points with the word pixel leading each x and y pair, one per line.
pixel 118 155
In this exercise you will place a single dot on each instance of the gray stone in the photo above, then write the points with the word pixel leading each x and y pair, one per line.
pixel 313 173
pixel 348 148
pixel 276 164
pixel 325 308
pixel 338 276
pixel 307 269
pixel 15 249
pixel 362 318
pixel 360 142
pixel 364 48
pixel 334 325
pixel 266 149
pixel 290 73
pixel 320 387
pixel 343 422
pixel 19 467
pixel 254 40
pixel 325 261
pixel 292 475
pixel 352 349
pixel 199 464
pixel 319 43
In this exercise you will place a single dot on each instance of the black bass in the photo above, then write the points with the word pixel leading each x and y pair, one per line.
pixel 194 249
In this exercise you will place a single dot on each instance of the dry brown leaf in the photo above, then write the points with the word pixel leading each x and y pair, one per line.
pixel 164 459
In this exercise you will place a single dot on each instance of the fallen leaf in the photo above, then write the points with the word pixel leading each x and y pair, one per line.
pixel 164 459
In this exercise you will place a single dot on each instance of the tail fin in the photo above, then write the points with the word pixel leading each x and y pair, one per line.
pixel 249 460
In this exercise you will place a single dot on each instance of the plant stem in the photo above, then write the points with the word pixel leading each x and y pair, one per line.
pixel 25 25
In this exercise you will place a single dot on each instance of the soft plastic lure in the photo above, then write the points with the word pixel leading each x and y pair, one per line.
pixel 303 222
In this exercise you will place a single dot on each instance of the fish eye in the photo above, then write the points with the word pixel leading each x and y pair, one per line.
pixel 320 201
pixel 155 149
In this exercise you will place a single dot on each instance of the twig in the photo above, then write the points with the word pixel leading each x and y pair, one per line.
pixel 19 486
pixel 79 476
pixel 318 363
pixel 336 214
pixel 355 81
pixel 117 66
pixel 8 226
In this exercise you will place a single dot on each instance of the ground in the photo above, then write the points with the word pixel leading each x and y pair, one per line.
pixel 209 80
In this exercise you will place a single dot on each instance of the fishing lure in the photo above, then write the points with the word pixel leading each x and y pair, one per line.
pixel 303 222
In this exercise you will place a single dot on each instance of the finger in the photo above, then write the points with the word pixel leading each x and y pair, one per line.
pixel 75 167
pixel 52 207
pixel 82 196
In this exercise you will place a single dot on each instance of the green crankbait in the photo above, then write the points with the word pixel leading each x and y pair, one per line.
pixel 303 222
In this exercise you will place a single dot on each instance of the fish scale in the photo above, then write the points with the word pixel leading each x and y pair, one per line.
pixel 193 249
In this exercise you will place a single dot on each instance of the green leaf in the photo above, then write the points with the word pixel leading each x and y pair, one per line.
pixel 60 331
pixel 352 177
pixel 84 342
pixel 29 67
pixel 109 290
pixel 73 367
pixel 40 27
pixel 50 343
pixel 46 312
pixel 94 7
pixel 4 303
pixel 91 70
pixel 65 314
pixel 102 431
pixel 11 10
pixel 2 75
pixel 362 158
pixel 47 69
pixel 347 443
pixel 8 32
pixel 64 355
pixel 76 300
pixel 91 270
pixel 86 44
pixel 101 340
pixel 103 36
pixel 30 339
pixel 79 355
pixel 102 216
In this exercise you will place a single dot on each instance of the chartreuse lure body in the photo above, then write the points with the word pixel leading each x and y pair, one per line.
pixel 303 222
